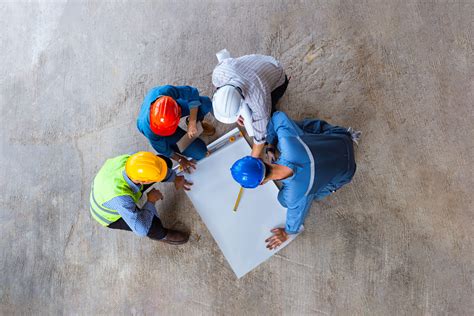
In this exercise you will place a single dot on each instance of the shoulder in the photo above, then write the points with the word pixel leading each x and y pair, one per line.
pixel 157 91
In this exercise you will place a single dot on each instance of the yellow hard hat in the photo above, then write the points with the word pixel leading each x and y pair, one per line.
pixel 146 167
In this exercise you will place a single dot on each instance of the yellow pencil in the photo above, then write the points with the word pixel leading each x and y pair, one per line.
pixel 238 199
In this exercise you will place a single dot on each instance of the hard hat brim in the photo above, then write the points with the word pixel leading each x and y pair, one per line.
pixel 225 119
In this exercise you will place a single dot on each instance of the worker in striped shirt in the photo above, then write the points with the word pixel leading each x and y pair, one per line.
pixel 252 82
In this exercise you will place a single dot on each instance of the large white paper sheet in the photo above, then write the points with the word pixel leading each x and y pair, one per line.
pixel 240 235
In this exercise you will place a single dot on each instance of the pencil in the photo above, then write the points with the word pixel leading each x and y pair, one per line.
pixel 238 199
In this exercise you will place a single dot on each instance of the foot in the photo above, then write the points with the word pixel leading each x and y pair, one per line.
pixel 208 129
pixel 175 237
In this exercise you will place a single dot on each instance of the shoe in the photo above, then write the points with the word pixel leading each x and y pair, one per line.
pixel 175 237
pixel 208 129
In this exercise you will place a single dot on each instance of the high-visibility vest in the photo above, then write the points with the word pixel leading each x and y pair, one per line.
pixel 108 184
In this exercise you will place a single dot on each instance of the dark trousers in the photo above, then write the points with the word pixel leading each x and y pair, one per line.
pixel 278 93
pixel 156 232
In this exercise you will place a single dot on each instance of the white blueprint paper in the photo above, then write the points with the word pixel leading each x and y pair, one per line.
pixel 240 235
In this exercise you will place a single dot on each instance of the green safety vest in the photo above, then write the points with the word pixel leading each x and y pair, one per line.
pixel 108 184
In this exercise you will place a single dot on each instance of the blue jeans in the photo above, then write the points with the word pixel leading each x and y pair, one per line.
pixel 197 149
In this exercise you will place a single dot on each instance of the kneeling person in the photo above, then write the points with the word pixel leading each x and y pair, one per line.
pixel 119 185
pixel 160 116
pixel 316 159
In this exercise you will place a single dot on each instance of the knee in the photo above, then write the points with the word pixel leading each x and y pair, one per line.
pixel 206 105
pixel 197 150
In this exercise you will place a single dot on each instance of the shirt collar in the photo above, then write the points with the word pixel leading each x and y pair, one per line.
pixel 135 188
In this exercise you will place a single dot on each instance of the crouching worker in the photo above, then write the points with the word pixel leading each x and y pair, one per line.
pixel 160 116
pixel 119 185
pixel 252 84
pixel 315 160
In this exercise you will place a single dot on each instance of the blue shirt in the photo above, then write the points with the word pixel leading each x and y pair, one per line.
pixel 139 220
pixel 187 98
pixel 320 156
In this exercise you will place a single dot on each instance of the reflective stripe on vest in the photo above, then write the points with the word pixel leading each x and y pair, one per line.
pixel 96 210
pixel 108 184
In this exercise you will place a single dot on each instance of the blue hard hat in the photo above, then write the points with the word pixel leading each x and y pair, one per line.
pixel 248 171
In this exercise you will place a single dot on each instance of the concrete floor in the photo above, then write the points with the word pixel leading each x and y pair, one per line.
pixel 397 241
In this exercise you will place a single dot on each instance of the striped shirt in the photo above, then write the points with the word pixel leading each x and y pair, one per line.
pixel 257 76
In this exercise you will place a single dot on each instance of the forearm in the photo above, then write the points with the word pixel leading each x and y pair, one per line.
pixel 177 157
pixel 139 220
pixel 150 207
pixel 257 149
pixel 193 114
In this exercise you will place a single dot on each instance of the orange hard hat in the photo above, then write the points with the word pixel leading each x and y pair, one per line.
pixel 165 114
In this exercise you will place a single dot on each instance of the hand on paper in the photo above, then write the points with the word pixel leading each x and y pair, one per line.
pixel 154 195
pixel 279 237
pixel 187 165
pixel 192 129
pixel 181 183
pixel 240 121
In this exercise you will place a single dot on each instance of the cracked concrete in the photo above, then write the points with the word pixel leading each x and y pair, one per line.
pixel 397 240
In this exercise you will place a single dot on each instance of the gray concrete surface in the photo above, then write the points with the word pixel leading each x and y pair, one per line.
pixel 397 241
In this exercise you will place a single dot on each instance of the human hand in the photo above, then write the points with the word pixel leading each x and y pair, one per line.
pixel 154 195
pixel 180 182
pixel 271 157
pixel 270 154
pixel 187 165
pixel 240 121
pixel 192 129
pixel 279 237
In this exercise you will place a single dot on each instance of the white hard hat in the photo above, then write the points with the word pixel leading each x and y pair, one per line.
pixel 226 103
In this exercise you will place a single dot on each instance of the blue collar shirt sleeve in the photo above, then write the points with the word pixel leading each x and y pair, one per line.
pixel 293 198
pixel 296 214
pixel 281 126
pixel 283 132
pixel 139 220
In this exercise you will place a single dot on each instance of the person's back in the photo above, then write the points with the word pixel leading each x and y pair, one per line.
pixel 249 72
pixel 320 154
pixel 316 159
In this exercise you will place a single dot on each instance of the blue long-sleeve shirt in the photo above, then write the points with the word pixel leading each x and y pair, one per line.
pixel 139 220
pixel 187 98
pixel 320 156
